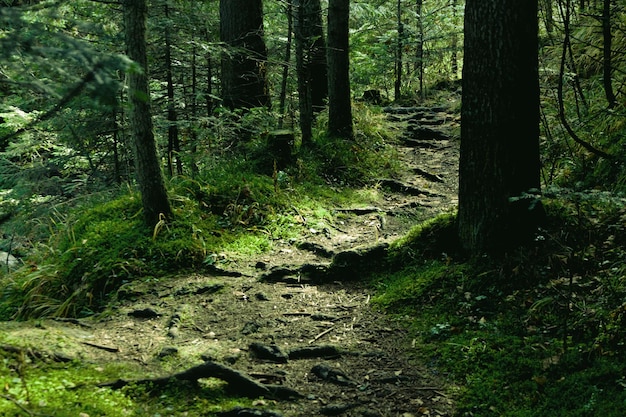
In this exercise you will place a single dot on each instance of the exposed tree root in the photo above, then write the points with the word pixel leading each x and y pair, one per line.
pixel 238 382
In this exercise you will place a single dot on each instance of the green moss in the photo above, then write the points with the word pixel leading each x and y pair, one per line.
pixel 68 390
pixel 533 334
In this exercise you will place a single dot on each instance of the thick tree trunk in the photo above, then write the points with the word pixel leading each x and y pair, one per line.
pixel 147 166
pixel 500 125
pixel 244 82
pixel 339 104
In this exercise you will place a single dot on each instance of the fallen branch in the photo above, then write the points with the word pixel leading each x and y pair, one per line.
pixel 102 347
pixel 307 352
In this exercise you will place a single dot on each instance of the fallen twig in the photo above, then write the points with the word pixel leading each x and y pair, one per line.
pixel 325 332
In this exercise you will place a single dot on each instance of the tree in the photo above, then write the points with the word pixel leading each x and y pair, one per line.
pixel 244 81
pixel 148 169
pixel 303 69
pixel 286 62
pixel 400 45
pixel 317 58
pixel 339 104
pixel 607 53
pixel 310 63
pixel 500 125
pixel 419 46
pixel 173 142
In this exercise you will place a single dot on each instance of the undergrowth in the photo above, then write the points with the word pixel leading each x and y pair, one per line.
pixel 539 333
pixel 86 248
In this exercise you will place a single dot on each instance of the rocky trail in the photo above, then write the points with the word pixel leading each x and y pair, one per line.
pixel 293 329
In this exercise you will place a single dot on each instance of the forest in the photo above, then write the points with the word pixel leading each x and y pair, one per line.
pixel 272 208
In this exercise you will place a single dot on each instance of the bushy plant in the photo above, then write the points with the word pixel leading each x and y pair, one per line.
pixel 92 250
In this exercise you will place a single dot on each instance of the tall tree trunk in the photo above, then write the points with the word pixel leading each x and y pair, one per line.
pixel 419 47
pixel 193 133
pixel 208 96
pixel 500 125
pixel 317 60
pixel 148 169
pixel 607 63
pixel 311 62
pixel 244 80
pixel 303 68
pixel 398 82
pixel 286 63
pixel 339 97
pixel 454 43
pixel 548 17
pixel 173 140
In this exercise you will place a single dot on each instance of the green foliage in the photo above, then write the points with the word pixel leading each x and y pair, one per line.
pixel 95 248
pixel 351 162
pixel 95 245
pixel 538 333
pixel 585 105
pixel 374 38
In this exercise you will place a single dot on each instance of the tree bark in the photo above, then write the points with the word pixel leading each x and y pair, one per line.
pixel 339 104
pixel 500 126
pixel 244 80
pixel 154 198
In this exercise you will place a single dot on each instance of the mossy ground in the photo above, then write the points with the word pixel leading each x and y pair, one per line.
pixel 538 333
pixel 81 252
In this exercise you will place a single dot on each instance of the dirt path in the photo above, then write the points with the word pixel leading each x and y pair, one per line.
pixel 273 321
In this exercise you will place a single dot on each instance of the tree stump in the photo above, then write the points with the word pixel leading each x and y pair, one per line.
pixel 280 144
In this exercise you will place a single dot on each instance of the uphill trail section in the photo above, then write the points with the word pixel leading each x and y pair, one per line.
pixel 293 329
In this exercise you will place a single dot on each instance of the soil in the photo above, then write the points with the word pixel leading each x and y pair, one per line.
pixel 261 316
